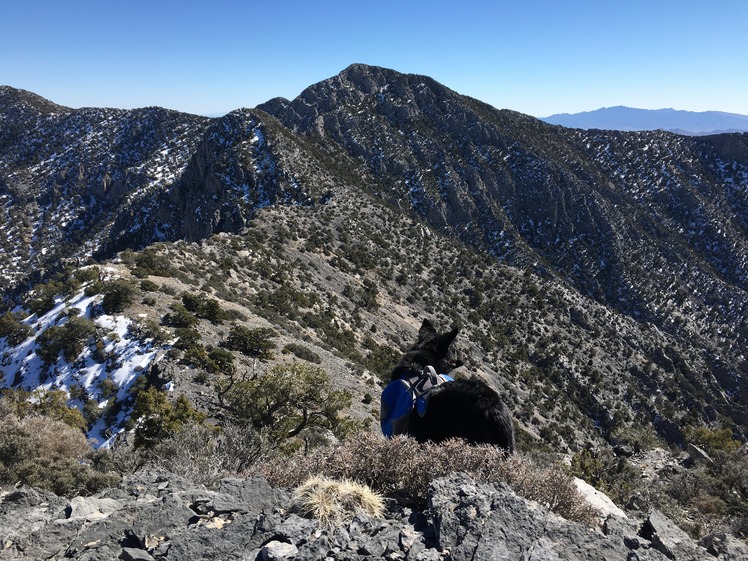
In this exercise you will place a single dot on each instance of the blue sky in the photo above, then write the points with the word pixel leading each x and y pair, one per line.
pixel 535 56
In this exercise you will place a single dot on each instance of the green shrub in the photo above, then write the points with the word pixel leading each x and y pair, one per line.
pixel 87 274
pixel 149 262
pixel 193 302
pixel 118 294
pixel 179 316
pixel 62 476
pixel 379 359
pixel 149 329
pixel 714 441
pixel 603 470
pixel 69 338
pixel 157 417
pixel 639 436
pixel 43 297
pixel 147 285
pixel 254 343
pixel 223 360
pixel 108 388
pixel 213 312
pixel 187 338
pixel 302 352
pixel 51 404
pixel 207 308
pixel 714 495
pixel 14 329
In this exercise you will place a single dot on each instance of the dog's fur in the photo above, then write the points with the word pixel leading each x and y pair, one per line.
pixel 467 409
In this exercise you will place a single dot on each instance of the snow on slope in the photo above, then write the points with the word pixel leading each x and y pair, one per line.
pixel 105 381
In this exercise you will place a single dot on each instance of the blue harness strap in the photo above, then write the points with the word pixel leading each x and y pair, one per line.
pixel 400 396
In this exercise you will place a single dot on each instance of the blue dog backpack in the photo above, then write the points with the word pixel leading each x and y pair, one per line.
pixel 409 391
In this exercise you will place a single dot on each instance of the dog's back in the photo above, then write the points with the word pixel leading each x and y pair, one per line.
pixel 467 409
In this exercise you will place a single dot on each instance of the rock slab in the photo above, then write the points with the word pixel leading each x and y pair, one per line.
pixel 162 517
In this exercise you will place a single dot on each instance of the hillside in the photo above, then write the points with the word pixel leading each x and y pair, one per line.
pixel 649 227
pixel 599 278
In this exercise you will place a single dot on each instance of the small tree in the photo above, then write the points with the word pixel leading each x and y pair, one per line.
pixel 118 294
pixel 714 441
pixel 208 308
pixel 193 302
pixel 13 329
pixel 69 338
pixel 179 316
pixel 223 361
pixel 149 262
pixel 291 401
pixel 43 298
pixel 51 404
pixel 254 343
pixel 159 418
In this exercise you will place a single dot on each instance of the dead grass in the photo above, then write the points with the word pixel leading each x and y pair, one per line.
pixel 332 502
pixel 403 467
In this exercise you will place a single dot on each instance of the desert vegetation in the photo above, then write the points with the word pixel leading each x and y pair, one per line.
pixel 267 333
pixel 42 444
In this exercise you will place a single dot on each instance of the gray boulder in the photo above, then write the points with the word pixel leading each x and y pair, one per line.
pixel 489 522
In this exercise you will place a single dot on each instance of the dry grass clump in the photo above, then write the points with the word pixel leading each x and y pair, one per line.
pixel 333 502
pixel 403 467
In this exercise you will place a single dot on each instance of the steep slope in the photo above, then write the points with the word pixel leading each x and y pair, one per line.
pixel 66 174
pixel 244 162
pixel 346 284
pixel 650 227
pixel 653 224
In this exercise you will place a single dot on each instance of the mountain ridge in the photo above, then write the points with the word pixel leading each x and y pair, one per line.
pixel 673 120
pixel 651 225
pixel 599 278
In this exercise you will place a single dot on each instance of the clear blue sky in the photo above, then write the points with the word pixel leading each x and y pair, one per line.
pixel 535 56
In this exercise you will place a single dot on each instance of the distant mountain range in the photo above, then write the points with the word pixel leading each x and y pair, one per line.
pixel 630 119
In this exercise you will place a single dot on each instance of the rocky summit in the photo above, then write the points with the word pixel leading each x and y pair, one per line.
pixel 599 280
pixel 161 516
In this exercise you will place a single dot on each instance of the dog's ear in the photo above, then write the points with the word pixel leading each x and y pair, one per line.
pixel 446 340
pixel 426 329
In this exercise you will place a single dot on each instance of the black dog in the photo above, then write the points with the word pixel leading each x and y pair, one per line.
pixel 467 409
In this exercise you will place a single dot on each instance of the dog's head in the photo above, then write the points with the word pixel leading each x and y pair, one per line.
pixel 432 349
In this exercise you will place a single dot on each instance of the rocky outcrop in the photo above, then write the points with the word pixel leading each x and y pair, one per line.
pixel 154 515
pixel 66 175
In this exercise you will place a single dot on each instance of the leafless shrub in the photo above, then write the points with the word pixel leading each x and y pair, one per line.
pixel 240 446
pixel 404 467
pixel 191 452
pixel 205 454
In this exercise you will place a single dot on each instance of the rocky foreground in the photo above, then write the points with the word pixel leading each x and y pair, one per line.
pixel 156 515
